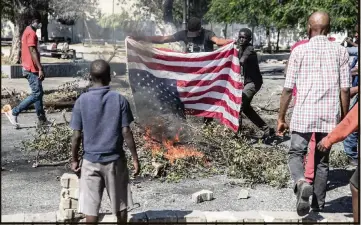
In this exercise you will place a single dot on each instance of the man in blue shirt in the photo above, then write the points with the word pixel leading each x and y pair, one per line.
pixel 101 119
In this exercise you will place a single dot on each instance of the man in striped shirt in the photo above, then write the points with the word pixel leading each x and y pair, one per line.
pixel 320 82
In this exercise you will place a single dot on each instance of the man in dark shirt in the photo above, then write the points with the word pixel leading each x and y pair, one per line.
pixel 104 117
pixel 196 39
pixel 252 81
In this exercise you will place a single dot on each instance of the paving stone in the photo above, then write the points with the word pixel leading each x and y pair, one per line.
pixel 201 196
pixel 41 217
pixel 137 217
pixel 279 216
pixel 243 194
pixel 69 180
pixel 249 216
pixel 223 216
pixel 13 218
pixel 161 216
pixel 191 216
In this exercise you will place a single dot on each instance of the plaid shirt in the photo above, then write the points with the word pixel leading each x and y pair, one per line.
pixel 319 69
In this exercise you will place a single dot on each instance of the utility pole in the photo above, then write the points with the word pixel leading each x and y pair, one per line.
pixel 113 26
pixel 185 14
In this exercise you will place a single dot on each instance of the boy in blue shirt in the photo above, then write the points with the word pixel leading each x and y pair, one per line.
pixel 101 119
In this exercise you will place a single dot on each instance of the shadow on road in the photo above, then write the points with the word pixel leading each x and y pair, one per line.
pixel 339 178
pixel 339 205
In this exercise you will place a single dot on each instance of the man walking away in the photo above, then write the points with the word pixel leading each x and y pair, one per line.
pixel 196 39
pixel 348 125
pixel 104 117
pixel 32 71
pixel 320 82
pixel 252 81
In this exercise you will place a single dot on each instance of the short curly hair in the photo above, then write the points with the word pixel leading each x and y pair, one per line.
pixel 194 24
pixel 247 32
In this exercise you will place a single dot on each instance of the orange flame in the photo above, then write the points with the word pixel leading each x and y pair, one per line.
pixel 171 152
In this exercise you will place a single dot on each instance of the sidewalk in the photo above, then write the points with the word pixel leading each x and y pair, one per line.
pixel 197 216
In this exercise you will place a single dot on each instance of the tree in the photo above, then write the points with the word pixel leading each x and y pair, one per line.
pixel 15 11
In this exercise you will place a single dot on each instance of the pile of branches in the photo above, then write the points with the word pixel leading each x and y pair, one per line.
pixel 223 153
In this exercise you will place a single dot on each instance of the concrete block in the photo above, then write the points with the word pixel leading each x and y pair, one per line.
pixel 161 216
pixel 41 217
pixel 19 218
pixel 243 194
pixel 107 218
pixel 223 216
pixel 68 203
pixel 279 216
pixel 69 180
pixel 201 196
pixel 137 217
pixel 70 193
pixel 248 216
pixel 191 216
pixel 65 214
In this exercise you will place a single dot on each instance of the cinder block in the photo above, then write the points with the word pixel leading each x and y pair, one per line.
pixel 201 196
pixel 65 214
pixel 69 180
pixel 68 203
pixel 191 216
pixel 70 193
pixel 137 217
pixel 161 216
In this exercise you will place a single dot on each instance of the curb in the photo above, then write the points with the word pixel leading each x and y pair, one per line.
pixel 176 216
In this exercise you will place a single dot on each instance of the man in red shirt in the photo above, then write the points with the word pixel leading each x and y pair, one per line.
pixel 32 71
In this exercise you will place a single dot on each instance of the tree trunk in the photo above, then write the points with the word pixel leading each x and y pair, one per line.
pixel 168 11
pixel 278 39
pixel 268 34
pixel 225 31
pixel 44 28
pixel 15 51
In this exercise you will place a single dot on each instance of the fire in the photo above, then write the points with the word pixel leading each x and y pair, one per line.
pixel 171 152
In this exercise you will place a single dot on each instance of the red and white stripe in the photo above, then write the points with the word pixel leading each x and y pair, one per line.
pixel 208 83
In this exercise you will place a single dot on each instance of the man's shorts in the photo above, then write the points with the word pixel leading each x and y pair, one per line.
pixel 355 178
pixel 94 177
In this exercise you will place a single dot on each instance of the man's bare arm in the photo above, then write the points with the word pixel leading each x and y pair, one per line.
pixel 354 71
pixel 285 100
pixel 75 145
pixel 345 101
pixel 128 137
pixel 35 57
pixel 353 91
pixel 157 39
pixel 220 41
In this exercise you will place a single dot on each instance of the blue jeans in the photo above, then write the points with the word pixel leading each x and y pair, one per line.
pixel 36 96
pixel 352 51
pixel 350 144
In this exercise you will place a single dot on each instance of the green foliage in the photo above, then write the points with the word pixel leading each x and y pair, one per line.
pixel 292 12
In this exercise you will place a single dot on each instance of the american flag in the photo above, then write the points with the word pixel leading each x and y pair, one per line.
pixel 206 84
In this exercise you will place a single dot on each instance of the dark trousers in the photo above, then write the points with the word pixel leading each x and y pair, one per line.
pixel 297 152
pixel 249 91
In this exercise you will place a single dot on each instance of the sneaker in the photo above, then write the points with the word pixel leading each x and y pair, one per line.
pixel 13 119
pixel 304 191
